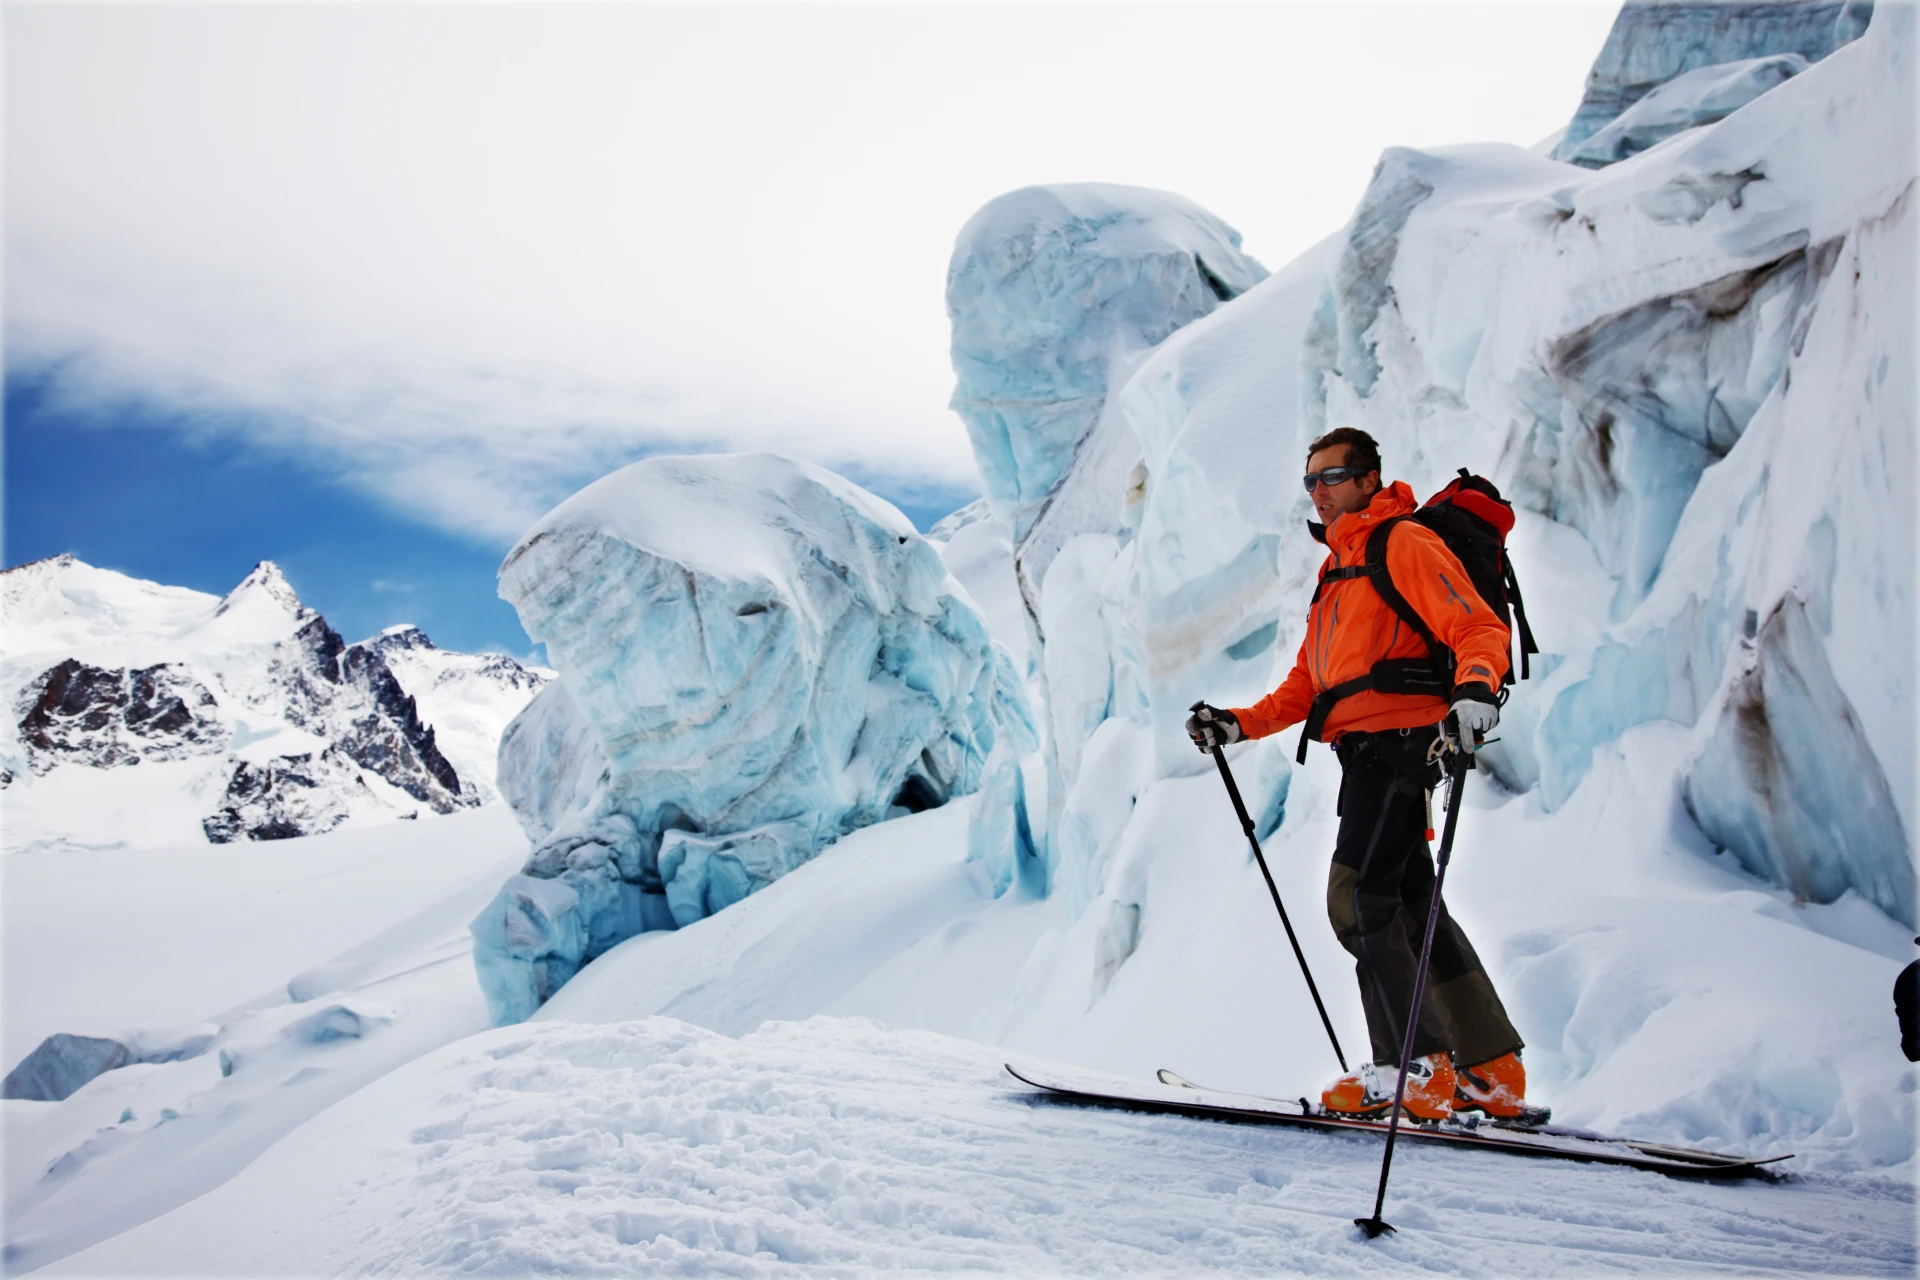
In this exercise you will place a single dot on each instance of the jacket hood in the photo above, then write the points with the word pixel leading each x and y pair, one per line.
pixel 1348 537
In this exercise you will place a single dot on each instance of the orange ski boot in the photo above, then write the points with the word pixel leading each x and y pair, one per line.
pixel 1368 1092
pixel 1496 1088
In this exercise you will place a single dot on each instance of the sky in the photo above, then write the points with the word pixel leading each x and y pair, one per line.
pixel 365 289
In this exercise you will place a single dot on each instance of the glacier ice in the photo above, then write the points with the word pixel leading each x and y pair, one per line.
pixel 1055 294
pixel 62 1063
pixel 1685 357
pixel 1048 287
pixel 1787 783
pixel 1654 42
pixel 764 657
pixel 1697 97
pixel 1643 353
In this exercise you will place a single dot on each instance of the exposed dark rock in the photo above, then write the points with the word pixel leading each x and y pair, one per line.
pixel 108 717
pixel 398 640
pixel 283 798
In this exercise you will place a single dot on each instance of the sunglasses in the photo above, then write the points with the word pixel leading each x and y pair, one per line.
pixel 1330 477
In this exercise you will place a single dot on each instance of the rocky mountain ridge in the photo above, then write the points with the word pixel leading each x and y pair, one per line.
pixel 253 718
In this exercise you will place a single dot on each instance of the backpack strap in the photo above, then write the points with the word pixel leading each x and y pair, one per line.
pixel 1527 645
pixel 1439 656
pixel 1432 674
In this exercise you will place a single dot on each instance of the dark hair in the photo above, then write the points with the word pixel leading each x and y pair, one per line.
pixel 1363 454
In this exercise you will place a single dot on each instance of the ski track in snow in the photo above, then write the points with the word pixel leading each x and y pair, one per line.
pixel 834 1146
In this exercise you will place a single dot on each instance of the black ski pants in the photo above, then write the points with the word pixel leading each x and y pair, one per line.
pixel 1378 894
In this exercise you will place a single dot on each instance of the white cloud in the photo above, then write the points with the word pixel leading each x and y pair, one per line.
pixel 472 255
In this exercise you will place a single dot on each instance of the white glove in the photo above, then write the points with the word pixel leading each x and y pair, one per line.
pixel 1475 720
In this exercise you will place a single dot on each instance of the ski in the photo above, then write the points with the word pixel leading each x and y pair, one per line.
pixel 1189 1099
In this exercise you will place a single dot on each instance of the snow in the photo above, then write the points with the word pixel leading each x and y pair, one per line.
pixel 767 655
pixel 835 1147
pixel 1654 42
pixel 315 968
pixel 1686 865
pixel 177 698
pixel 1698 97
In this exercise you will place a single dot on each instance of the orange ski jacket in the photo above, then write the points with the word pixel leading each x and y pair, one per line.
pixel 1350 627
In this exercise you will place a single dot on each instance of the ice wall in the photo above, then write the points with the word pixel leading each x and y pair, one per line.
pixel 1048 288
pixel 756 657
pixel 1653 42
pixel 1055 294
pixel 1700 358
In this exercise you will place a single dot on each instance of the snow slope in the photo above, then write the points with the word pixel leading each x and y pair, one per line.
pixel 834 1147
pixel 317 966
pixel 705 1140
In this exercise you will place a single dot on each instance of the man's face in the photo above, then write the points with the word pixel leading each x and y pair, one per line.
pixel 1333 501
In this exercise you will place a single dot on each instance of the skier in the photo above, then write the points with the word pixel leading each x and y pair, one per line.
pixel 1466 1053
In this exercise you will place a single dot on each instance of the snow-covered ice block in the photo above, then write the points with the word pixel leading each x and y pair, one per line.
pixel 1698 97
pixel 1788 784
pixel 705 874
pixel 1047 287
pixel 61 1064
pixel 549 762
pixel 1653 42
pixel 757 645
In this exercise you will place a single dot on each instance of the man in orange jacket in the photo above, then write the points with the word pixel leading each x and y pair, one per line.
pixel 1465 1051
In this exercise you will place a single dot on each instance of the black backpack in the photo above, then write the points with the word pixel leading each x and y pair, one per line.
pixel 1473 520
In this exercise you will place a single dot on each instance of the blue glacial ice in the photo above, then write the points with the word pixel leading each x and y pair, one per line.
pixel 1055 294
pixel 1050 286
pixel 756 656
pixel 1691 358
pixel 1654 42
pixel 1687 101
pixel 1684 357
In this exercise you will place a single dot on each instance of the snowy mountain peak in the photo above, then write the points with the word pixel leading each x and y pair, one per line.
pixel 398 639
pixel 248 716
pixel 265 583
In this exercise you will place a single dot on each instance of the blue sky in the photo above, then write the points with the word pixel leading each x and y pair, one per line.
pixel 153 493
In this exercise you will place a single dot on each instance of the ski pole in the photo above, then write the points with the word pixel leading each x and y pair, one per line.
pixel 1457 769
pixel 1246 824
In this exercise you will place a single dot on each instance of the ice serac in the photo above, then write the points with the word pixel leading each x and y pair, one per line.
pixel 1697 358
pixel 766 657
pixel 1655 42
pixel 1053 293
pixel 1687 101
pixel 1056 293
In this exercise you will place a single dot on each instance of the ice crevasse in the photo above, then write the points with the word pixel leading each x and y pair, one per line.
pixel 756 656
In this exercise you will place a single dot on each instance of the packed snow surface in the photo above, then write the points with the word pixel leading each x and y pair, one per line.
pixel 283 978
pixel 767 657
pixel 654 1148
